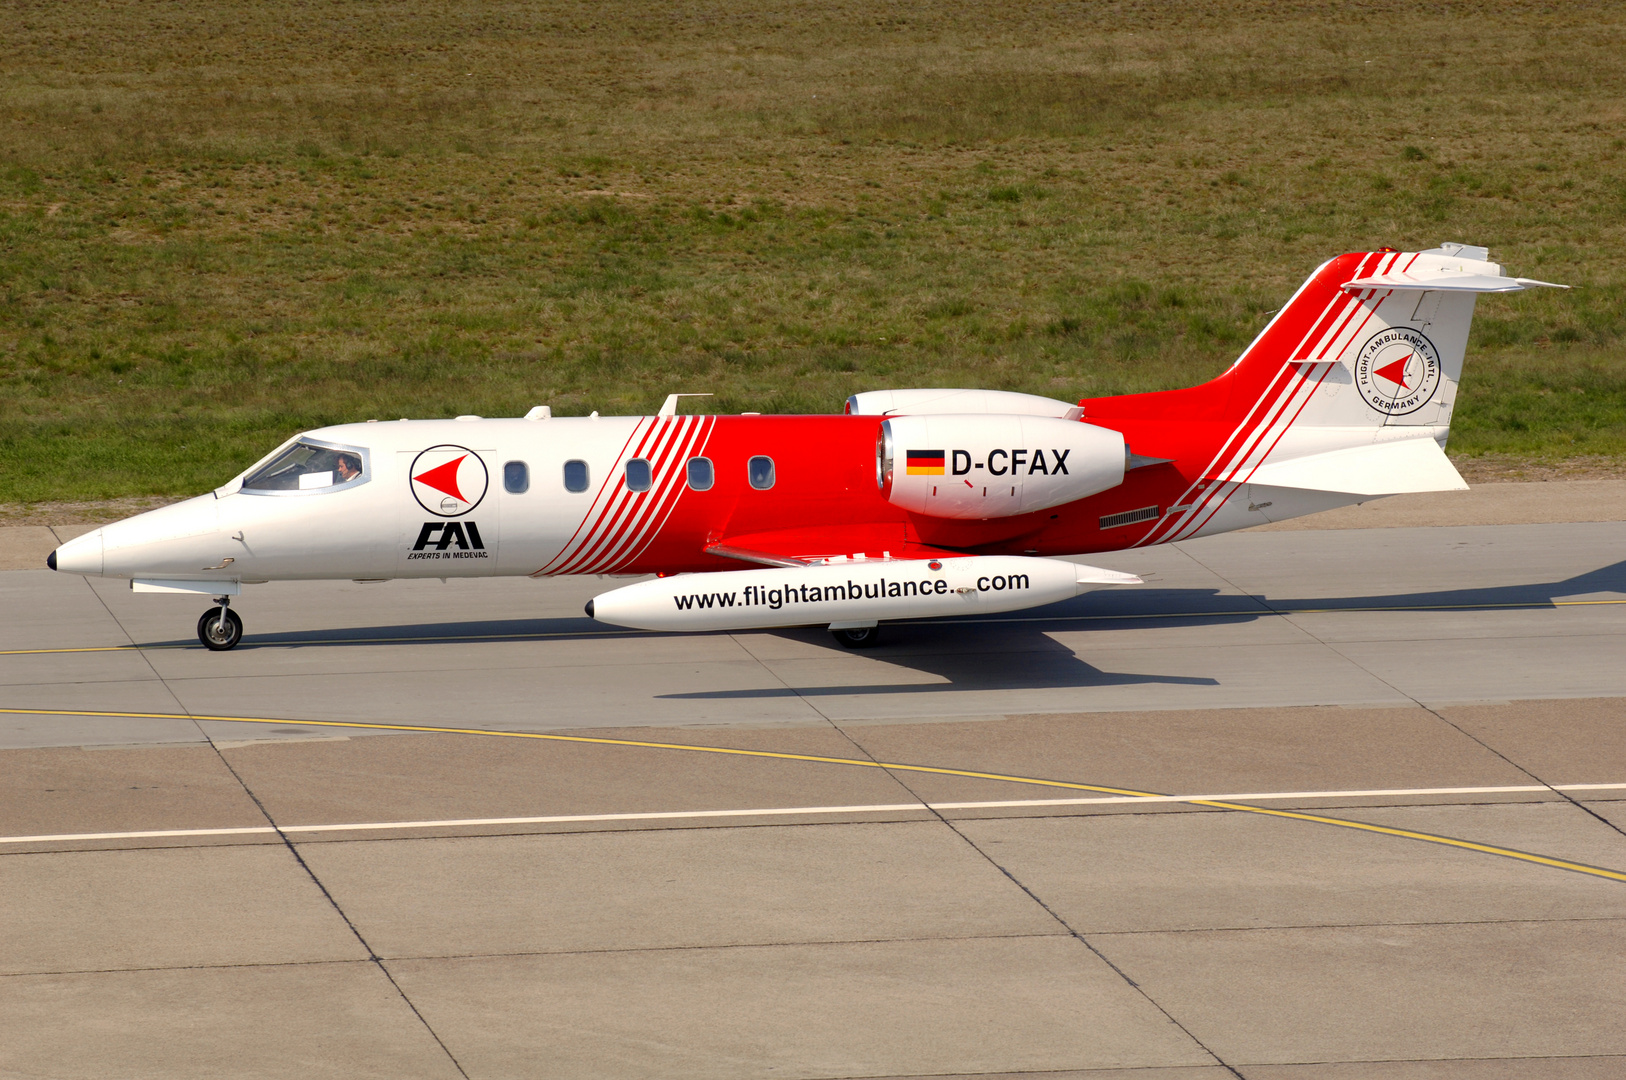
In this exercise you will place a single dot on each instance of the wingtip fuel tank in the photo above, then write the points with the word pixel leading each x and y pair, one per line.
pixel 848 592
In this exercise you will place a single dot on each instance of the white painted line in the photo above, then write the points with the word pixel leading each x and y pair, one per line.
pixel 879 808
pixel 456 823
pixel 665 815
pixel 137 835
pixel 1256 796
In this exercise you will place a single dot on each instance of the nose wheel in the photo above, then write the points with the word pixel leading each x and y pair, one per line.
pixel 220 628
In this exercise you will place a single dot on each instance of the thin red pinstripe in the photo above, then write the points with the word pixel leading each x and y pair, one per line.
pixel 1191 525
pixel 603 487
pixel 699 437
pixel 622 507
pixel 634 526
pixel 1327 330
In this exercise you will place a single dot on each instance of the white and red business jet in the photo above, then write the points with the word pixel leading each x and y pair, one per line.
pixel 915 503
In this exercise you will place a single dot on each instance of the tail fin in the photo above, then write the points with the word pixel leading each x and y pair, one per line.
pixel 1370 341
pixel 1367 353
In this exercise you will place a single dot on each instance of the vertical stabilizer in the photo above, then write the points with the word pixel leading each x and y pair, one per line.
pixel 1369 351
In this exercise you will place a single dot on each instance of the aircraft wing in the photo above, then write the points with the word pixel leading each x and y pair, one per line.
pixel 817 546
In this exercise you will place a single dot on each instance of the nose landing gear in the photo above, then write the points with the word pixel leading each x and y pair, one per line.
pixel 220 628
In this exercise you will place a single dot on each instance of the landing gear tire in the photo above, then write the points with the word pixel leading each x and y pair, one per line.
pixel 220 629
pixel 858 637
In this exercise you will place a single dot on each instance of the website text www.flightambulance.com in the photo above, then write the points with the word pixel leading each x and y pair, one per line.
pixel 778 596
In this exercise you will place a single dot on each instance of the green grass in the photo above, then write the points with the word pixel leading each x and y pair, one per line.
pixel 223 222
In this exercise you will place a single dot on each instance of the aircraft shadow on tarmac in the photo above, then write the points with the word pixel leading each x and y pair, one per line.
pixel 1011 651
pixel 1187 605
pixel 1015 651
pixel 1024 657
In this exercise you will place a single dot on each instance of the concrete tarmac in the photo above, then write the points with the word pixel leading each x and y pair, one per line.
pixel 955 855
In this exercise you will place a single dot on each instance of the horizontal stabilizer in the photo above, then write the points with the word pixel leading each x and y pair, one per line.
pixel 1388 468
pixel 1443 281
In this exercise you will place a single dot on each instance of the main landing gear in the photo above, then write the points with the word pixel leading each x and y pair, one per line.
pixel 858 637
pixel 221 628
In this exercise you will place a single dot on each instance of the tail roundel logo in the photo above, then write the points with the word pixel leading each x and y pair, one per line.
pixel 1397 370
pixel 448 481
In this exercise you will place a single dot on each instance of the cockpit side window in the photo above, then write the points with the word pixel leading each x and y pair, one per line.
pixel 309 466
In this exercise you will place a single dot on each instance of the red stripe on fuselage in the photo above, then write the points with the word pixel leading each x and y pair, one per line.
pixel 1211 479
pixel 1217 435
pixel 1236 448
pixel 696 448
pixel 590 558
pixel 1239 481
pixel 1322 309
pixel 605 486
pixel 669 468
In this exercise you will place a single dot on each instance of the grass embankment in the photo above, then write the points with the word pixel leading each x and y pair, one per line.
pixel 222 222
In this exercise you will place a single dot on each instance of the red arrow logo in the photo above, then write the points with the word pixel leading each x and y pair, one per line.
pixel 1396 372
pixel 444 477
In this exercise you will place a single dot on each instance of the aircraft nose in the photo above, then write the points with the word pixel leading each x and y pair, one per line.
pixel 81 555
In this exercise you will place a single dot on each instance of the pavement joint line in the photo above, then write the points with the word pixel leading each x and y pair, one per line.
pixel 879 808
pixel 292 849
pixel 1458 728
pixel 1294 815
pixel 541 636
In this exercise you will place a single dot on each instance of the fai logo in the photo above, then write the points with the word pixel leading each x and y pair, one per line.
pixel 448 540
pixel 448 480
pixel 1397 371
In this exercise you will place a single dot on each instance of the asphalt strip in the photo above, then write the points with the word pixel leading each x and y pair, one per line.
pixel 1218 803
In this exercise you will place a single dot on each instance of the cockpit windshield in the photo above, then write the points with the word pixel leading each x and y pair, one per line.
pixel 308 465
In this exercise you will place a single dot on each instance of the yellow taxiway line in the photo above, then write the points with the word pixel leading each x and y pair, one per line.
pixel 1219 804
pixel 544 635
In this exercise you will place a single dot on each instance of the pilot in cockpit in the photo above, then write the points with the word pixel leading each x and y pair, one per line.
pixel 308 466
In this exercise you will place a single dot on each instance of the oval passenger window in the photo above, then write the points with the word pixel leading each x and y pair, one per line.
pixel 760 472
pixel 516 478
pixel 575 476
pixel 701 475
pixel 638 476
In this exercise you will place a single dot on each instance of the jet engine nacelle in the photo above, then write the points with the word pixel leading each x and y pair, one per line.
pixel 972 467
pixel 926 402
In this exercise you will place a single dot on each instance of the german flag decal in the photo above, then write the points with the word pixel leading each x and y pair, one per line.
pixel 925 463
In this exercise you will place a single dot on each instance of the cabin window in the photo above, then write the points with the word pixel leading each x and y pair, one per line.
pixel 701 474
pixel 639 475
pixel 516 478
pixel 309 465
pixel 759 470
pixel 575 476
